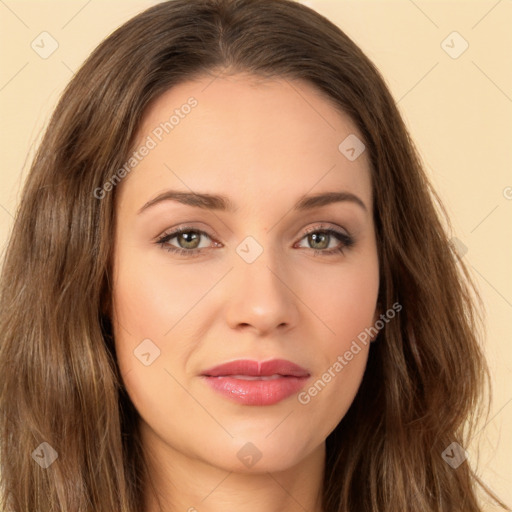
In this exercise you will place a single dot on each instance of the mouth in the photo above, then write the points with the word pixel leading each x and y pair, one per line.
pixel 251 382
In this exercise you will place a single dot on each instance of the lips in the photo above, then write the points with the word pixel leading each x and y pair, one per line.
pixel 256 383
pixel 249 368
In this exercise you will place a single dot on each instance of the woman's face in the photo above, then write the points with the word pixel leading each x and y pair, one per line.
pixel 256 275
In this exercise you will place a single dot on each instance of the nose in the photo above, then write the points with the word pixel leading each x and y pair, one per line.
pixel 261 296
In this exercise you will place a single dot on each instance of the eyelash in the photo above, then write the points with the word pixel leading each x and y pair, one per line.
pixel 346 241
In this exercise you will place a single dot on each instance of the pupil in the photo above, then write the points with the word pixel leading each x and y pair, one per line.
pixel 316 236
pixel 190 235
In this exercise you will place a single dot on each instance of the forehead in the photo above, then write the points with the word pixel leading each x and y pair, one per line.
pixel 240 135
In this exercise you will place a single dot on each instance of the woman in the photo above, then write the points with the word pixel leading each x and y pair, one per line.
pixel 306 340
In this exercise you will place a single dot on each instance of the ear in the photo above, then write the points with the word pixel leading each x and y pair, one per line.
pixel 106 297
pixel 105 305
pixel 376 316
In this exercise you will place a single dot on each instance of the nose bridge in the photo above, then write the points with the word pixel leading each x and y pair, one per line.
pixel 259 296
pixel 257 268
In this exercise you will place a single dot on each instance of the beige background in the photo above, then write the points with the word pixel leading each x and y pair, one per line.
pixel 459 111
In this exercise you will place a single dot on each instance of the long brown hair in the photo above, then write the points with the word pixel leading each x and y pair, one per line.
pixel 60 384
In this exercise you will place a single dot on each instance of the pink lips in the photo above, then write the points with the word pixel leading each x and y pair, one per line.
pixel 256 383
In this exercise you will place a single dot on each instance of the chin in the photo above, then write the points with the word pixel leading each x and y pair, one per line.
pixel 259 455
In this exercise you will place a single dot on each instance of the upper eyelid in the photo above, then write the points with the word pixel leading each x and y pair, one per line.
pixel 184 228
pixel 327 227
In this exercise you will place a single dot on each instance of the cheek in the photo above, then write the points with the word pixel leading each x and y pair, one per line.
pixel 347 309
pixel 344 298
pixel 150 297
pixel 157 301
pixel 149 304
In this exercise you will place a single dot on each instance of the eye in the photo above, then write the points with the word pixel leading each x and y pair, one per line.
pixel 189 240
pixel 320 239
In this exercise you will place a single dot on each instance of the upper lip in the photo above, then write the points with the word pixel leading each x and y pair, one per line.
pixel 257 368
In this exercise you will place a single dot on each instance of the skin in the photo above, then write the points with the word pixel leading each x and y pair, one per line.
pixel 264 144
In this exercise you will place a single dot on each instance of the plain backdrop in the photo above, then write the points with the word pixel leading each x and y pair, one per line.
pixel 447 64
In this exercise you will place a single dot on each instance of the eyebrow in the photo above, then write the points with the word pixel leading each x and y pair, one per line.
pixel 223 203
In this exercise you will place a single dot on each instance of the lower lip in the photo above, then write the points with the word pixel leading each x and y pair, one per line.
pixel 256 392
